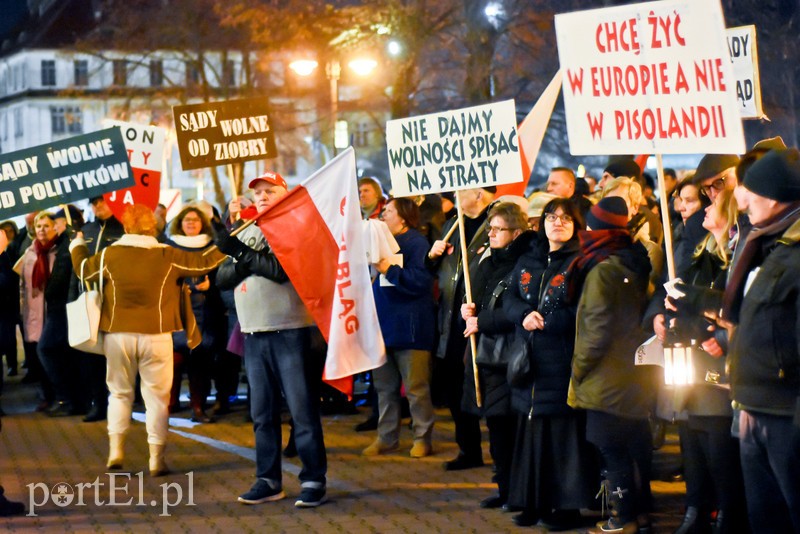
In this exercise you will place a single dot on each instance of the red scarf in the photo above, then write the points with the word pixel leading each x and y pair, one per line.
pixel 41 269
pixel 596 246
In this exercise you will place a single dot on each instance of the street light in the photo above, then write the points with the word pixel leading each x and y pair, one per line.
pixel 333 70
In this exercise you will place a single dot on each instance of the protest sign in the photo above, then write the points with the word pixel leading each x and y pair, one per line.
pixel 80 167
pixel 221 133
pixel 461 149
pixel 744 58
pixel 649 78
pixel 145 148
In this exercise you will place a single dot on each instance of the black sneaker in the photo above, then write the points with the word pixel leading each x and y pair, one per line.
pixel 261 492
pixel 311 497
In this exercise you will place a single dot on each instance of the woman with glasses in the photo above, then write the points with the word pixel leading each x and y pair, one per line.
pixel 553 463
pixel 509 238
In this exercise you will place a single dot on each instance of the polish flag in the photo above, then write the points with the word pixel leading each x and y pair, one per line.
pixel 316 233
pixel 530 134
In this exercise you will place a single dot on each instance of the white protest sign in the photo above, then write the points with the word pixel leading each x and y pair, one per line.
pixel 649 78
pixel 452 150
pixel 744 58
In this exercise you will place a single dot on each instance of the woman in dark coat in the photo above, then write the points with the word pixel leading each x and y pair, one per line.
pixel 710 454
pixel 406 312
pixel 553 465
pixel 191 230
pixel 508 240
pixel 605 382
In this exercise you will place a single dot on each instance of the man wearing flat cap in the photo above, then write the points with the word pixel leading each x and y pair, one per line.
pixel 762 301
pixel 714 173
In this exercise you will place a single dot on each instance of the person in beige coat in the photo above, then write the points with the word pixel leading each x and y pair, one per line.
pixel 141 309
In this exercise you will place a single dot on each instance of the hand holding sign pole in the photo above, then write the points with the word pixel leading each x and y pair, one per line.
pixel 451 151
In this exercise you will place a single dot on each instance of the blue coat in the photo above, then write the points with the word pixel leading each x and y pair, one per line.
pixel 406 312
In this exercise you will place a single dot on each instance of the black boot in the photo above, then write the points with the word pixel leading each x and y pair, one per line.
pixel 621 503
pixel 693 522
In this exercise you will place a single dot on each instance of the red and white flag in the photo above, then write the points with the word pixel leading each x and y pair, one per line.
pixel 316 233
pixel 531 134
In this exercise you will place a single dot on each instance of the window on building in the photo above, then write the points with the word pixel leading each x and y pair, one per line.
pixel 361 134
pixel 81 72
pixel 66 119
pixel 18 122
pixel 192 73
pixel 120 67
pixel 229 73
pixel 156 73
pixel 48 72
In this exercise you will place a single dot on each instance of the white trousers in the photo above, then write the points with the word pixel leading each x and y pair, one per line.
pixel 151 356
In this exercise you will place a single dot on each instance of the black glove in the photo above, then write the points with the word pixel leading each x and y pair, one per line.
pixel 696 300
pixel 230 245
pixel 71 232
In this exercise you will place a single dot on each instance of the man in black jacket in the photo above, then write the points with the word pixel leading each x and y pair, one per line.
pixel 98 234
pixel 762 301
pixel 445 260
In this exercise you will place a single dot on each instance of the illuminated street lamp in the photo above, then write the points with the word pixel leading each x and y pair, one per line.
pixel 361 66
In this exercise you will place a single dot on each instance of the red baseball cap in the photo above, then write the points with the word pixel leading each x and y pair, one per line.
pixel 270 177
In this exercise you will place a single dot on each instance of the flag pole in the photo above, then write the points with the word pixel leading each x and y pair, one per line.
pixel 468 290
pixel 662 187
pixel 232 183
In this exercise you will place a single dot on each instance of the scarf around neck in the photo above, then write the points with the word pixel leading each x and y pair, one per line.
pixel 41 268
pixel 755 250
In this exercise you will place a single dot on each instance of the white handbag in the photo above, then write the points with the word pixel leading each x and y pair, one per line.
pixel 83 316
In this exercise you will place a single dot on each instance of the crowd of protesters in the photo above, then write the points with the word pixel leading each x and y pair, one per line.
pixel 535 331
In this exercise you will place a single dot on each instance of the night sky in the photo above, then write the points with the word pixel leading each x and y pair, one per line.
pixel 11 13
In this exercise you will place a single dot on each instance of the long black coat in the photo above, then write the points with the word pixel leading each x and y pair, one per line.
pixel 492 321
pixel 540 282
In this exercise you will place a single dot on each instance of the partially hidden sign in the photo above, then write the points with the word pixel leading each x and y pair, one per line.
pixel 145 148
pixel 219 133
pixel 452 150
pixel 77 168
pixel 649 78
pixel 744 58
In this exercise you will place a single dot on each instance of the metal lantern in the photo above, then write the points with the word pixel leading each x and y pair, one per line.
pixel 678 365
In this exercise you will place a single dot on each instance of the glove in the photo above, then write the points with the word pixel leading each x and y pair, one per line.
pixel 230 245
pixel 696 300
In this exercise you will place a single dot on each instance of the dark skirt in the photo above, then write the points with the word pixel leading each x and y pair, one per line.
pixel 553 467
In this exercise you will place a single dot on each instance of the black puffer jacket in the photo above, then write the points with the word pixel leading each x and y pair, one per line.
pixel 492 322
pixel 540 282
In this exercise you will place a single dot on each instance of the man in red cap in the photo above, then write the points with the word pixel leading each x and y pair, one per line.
pixel 276 327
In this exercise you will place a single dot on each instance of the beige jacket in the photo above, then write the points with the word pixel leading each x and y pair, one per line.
pixel 141 276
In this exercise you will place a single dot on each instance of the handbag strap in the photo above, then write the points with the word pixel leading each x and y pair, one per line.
pixel 102 265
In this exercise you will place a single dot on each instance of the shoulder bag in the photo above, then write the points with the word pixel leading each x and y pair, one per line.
pixel 83 315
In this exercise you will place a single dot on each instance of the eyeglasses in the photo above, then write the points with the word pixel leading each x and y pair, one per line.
pixel 498 229
pixel 564 218
pixel 191 219
pixel 717 185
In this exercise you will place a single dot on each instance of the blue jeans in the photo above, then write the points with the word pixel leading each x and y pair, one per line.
pixel 275 362
pixel 770 453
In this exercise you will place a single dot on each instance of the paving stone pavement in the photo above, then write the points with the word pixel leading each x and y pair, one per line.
pixel 57 467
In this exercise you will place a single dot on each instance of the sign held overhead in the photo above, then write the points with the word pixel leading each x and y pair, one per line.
pixel 452 150
pixel 80 167
pixel 649 78
pixel 221 133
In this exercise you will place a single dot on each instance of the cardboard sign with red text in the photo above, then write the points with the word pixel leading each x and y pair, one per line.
pixel 649 78
pixel 145 147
